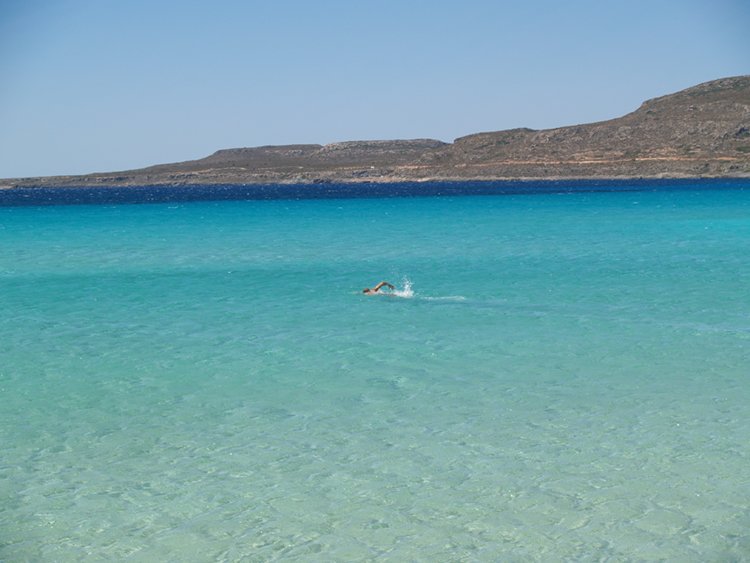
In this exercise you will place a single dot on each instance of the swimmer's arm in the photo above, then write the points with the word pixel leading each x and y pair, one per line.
pixel 383 283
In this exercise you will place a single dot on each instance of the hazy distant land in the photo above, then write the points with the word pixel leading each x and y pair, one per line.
pixel 701 132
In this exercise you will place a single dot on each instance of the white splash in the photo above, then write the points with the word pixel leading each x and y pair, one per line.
pixel 406 292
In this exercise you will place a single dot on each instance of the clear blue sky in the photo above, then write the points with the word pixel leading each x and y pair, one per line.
pixel 111 84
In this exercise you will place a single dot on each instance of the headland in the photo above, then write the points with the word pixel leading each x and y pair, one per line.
pixel 700 132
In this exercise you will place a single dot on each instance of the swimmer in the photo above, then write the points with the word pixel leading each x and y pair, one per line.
pixel 377 288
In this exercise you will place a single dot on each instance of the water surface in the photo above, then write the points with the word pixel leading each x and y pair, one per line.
pixel 566 379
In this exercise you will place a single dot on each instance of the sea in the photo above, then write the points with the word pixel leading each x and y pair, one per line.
pixel 561 374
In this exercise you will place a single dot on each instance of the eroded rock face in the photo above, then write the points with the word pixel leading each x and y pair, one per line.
pixel 703 131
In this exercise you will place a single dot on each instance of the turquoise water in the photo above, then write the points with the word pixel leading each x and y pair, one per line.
pixel 567 379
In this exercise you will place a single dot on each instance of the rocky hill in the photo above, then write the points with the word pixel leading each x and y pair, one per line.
pixel 703 131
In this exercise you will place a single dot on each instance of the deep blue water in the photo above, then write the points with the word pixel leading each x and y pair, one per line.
pixel 163 194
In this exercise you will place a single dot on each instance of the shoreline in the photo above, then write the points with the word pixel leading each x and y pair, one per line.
pixel 700 132
pixel 53 182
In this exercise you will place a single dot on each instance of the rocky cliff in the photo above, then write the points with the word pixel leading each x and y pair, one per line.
pixel 703 131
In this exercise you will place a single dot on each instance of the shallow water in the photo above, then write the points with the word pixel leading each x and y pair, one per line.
pixel 567 378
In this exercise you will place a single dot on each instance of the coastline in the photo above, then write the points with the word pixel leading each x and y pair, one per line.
pixel 354 177
pixel 700 132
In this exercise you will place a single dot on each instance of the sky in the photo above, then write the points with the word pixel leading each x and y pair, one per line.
pixel 107 85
